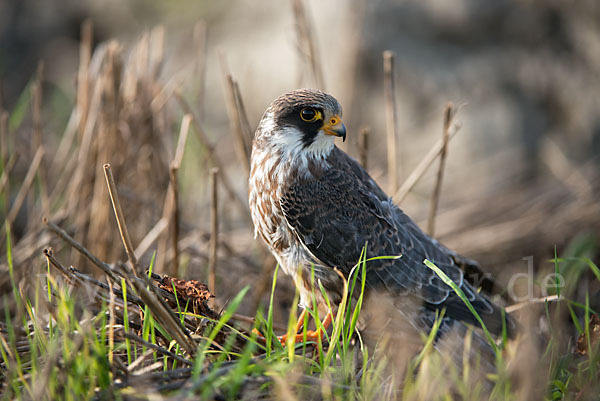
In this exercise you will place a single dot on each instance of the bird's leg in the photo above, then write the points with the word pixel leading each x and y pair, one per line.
pixel 311 335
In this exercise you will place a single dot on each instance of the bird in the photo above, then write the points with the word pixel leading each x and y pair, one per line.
pixel 316 209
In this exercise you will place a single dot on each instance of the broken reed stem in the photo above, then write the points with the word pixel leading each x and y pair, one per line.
pixel 181 142
pixel 114 198
pixel 175 217
pixel 391 120
pixel 33 167
pixel 306 41
pixel 152 236
pixel 435 197
pixel 236 124
pixel 214 233
pixel 363 146
pixel 173 204
pixel 246 129
pixel 212 157
pixel 418 172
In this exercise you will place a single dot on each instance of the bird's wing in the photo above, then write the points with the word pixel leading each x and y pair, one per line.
pixel 337 214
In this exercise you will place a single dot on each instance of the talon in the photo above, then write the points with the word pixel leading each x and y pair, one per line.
pixel 311 335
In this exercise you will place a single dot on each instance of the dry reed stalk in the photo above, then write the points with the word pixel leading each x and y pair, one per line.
pixel 173 205
pixel 391 119
pixel 306 42
pixel 214 234
pixel 20 198
pixel 212 157
pixel 246 129
pixel 151 237
pixel 116 204
pixel 83 81
pixel 363 146
pixel 161 251
pixel 435 197
pixel 154 301
pixel 174 218
pixel 422 167
pixel 235 122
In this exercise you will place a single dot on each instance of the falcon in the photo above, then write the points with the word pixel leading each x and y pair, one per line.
pixel 315 207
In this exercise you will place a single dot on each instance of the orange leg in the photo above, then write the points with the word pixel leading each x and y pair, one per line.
pixel 311 335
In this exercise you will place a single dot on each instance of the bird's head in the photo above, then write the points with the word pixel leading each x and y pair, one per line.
pixel 304 121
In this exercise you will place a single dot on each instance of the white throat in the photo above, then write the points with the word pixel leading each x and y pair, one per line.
pixel 288 143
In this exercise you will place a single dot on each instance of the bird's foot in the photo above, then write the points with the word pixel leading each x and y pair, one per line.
pixel 310 335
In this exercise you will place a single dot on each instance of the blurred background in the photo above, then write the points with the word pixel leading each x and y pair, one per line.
pixel 521 175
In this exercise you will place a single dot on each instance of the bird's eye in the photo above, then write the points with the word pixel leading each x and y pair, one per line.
pixel 309 115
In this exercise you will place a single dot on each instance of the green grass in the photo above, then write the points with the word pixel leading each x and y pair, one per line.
pixel 55 347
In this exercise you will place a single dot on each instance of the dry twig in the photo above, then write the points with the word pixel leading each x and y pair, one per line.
pixel 435 198
pixel 391 119
pixel 214 233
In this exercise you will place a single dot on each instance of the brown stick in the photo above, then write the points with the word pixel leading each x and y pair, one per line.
pixel 181 142
pixel 306 41
pixel 391 119
pixel 235 123
pixel 173 203
pixel 151 236
pixel 363 146
pixel 435 197
pixel 33 167
pixel 175 218
pixel 418 172
pixel 248 137
pixel 114 198
pixel 214 234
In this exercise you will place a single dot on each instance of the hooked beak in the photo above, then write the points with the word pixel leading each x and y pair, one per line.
pixel 335 127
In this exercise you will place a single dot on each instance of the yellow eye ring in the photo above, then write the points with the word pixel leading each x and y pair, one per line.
pixel 333 121
pixel 310 115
